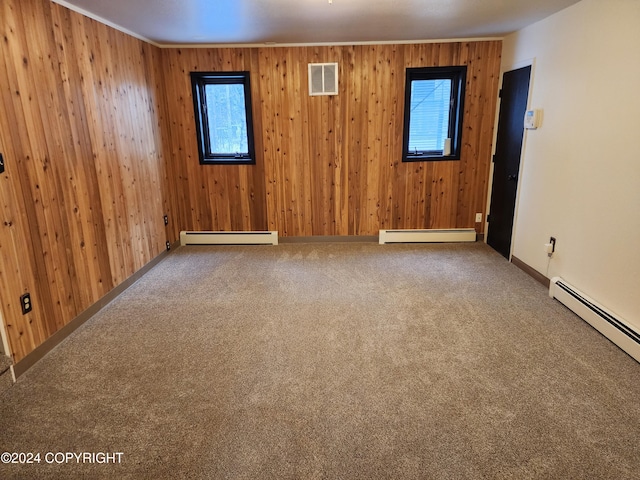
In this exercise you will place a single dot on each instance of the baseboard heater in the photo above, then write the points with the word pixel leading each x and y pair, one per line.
pixel 427 236
pixel 229 238
pixel 612 327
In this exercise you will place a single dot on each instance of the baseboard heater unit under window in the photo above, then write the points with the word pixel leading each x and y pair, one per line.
pixel 427 236
pixel 612 327
pixel 229 238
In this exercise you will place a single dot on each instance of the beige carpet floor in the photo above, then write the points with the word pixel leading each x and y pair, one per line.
pixel 330 361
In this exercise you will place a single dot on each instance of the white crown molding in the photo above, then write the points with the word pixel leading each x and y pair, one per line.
pixel 326 44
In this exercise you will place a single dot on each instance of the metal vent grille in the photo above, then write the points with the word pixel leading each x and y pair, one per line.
pixel 323 79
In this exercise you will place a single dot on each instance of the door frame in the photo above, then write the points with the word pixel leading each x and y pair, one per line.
pixel 530 62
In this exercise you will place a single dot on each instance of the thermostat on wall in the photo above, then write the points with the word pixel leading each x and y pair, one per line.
pixel 531 119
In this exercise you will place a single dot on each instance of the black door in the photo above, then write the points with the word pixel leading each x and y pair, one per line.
pixel 513 104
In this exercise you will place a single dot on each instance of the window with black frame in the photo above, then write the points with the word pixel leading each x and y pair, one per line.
pixel 433 110
pixel 222 105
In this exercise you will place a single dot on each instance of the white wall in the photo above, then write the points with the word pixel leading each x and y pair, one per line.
pixel 580 172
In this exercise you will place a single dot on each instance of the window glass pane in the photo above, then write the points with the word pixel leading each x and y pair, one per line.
pixel 429 120
pixel 227 118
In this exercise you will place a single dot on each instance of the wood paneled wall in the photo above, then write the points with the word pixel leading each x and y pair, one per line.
pixel 82 195
pixel 98 136
pixel 227 197
pixel 331 165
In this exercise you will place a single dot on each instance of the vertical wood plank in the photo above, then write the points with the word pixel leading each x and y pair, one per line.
pixel 82 195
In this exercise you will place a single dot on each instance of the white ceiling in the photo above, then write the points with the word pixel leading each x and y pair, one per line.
pixel 182 22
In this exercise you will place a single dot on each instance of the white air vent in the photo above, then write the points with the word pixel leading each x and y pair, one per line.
pixel 323 79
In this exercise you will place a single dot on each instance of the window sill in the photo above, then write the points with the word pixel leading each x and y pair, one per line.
pixel 227 161
pixel 430 158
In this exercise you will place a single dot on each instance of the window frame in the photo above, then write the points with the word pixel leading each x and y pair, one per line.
pixel 199 81
pixel 457 75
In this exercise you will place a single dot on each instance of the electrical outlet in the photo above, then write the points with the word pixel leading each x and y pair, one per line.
pixel 168 245
pixel 166 219
pixel 552 241
pixel 479 217
pixel 25 301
